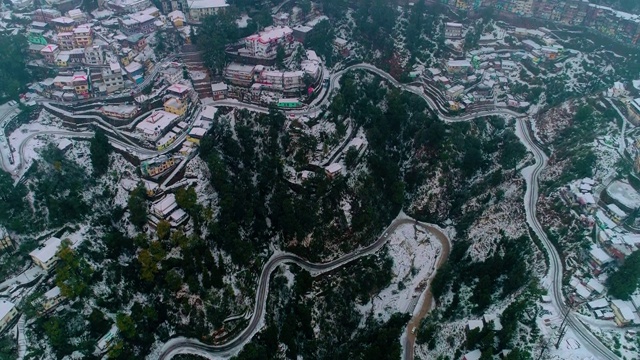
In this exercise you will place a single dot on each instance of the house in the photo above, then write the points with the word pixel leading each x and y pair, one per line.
pixel 599 257
pixel 199 9
pixel 63 24
pixel 208 113
pixel 82 36
pixel 173 74
pixel 51 298
pixel 454 92
pixel 80 84
pixel 93 55
pixel 166 140
pixel 112 77
pixel 50 52
pixel 219 90
pixel 265 44
pixel 65 40
pixel 46 255
pixel 333 170
pixel 238 74
pixel 473 355
pixel 121 112
pixel 474 324
pixel 165 206
pixel 196 134
pixel 177 18
pixel 156 166
pixel 155 124
pixel 137 23
pixel 616 213
pixel 175 106
pixel 64 144
pixel 458 66
pixel 8 312
pixel 595 285
pixel 623 312
pixel 598 304
pixel 179 91
pixel 453 30
pixel 136 41
pixel 300 32
pixel 493 319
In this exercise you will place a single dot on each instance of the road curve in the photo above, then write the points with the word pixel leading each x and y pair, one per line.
pixel 428 296
pixel 184 345
pixel 531 175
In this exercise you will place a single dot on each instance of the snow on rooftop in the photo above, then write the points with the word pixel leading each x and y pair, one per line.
pixel 604 219
pixel 625 309
pixel 178 88
pixel 624 194
pixel 207 4
pixel 334 168
pixel 600 255
pixel 598 304
pixel 583 291
pixel 595 285
pixel 197 132
pixel 52 293
pixel 5 308
pixel 166 205
pixel 48 250
pixel 271 33
pixel 208 112
pixel 616 210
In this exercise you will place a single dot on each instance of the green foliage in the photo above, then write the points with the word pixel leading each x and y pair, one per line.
pixel 320 39
pixel 137 204
pixel 13 73
pixel 214 34
pixel 163 229
pixel 73 273
pixel 14 211
pixel 351 158
pixel 8 349
pixel 100 150
pixel 125 325
pixel 626 279
pixel 379 340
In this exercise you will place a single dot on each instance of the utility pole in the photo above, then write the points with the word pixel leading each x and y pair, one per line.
pixel 563 328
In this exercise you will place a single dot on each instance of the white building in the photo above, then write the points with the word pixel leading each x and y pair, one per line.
pixel 46 255
pixel 8 312
pixel 164 207
pixel 265 43
pixel 155 124
pixel 93 55
pixel 199 9
pixel 51 298
pixel 112 77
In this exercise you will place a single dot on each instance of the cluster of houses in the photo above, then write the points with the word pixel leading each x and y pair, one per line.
pixel 487 74
pixel 616 24
pixel 615 239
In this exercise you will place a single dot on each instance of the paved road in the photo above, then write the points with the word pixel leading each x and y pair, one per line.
pixel 428 296
pixel 184 345
pixel 532 174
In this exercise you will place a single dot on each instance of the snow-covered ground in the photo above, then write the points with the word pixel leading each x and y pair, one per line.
pixel 414 256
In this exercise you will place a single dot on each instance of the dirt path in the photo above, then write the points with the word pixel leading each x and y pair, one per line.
pixel 428 300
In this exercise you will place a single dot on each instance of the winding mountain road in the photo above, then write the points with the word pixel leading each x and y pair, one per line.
pixel 555 272
pixel 184 345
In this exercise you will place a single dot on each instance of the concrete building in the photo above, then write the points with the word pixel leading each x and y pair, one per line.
pixel 238 74
pixel 82 36
pixel 112 77
pixel 175 106
pixel 199 9
pixel 46 255
pixel 51 298
pixel 8 312
pixel 219 90
pixel 121 112
pixel 156 124
pixel 50 52
pixel 93 55
pixel 265 44
pixel 453 30
pixel 623 312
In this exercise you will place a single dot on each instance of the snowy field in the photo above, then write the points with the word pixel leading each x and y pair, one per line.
pixel 414 256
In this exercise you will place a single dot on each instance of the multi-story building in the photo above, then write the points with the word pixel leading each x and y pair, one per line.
pixel 172 74
pixel 50 52
pixel 453 30
pixel 8 312
pixel 112 77
pixel 175 106
pixel 45 15
pixel 63 24
pixel 93 55
pixel 128 6
pixel 47 255
pixel 51 298
pixel 199 9
pixel 121 112
pixel 82 36
pixel 179 91
pixel 65 40
pixel 239 74
pixel 81 84
pixel 458 66
pixel 265 44
pixel 138 23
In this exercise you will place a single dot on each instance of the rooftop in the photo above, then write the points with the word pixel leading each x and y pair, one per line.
pixel 207 4
pixel 178 88
pixel 5 308
pixel 52 293
pixel 48 250
pixel 209 112
pixel 271 33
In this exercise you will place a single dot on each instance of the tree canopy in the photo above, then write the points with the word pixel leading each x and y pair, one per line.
pixel 100 150
pixel 13 71
pixel 625 280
